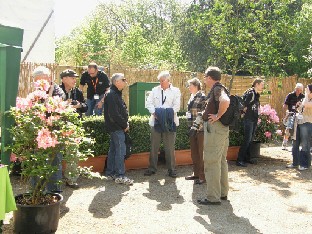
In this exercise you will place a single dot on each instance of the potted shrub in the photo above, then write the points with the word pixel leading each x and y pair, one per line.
pixel 268 123
pixel 267 129
pixel 44 127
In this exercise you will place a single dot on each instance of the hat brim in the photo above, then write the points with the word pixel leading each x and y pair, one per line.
pixel 72 75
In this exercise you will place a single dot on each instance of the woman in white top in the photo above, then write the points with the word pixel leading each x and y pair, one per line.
pixel 305 128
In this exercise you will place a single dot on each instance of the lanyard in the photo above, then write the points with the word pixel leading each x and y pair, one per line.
pixel 162 97
pixel 94 84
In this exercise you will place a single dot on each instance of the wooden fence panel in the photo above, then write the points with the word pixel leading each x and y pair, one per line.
pixel 276 88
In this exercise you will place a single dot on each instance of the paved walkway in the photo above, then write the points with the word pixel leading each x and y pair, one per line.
pixel 263 198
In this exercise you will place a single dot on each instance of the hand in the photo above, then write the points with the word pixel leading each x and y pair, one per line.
pixel 99 105
pixel 127 129
pixel 212 118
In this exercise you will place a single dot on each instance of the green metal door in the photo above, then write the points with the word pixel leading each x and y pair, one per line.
pixel 138 93
pixel 10 56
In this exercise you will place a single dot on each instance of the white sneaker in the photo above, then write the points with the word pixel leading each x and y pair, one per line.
pixel 291 166
pixel 124 180
pixel 300 168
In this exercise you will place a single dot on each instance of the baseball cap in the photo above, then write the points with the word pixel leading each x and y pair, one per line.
pixel 68 72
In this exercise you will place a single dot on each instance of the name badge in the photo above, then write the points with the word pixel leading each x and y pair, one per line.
pixel 96 96
pixel 188 115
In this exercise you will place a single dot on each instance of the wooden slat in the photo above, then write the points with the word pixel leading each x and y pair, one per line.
pixel 279 87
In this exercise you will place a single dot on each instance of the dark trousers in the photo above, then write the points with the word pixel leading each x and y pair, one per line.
pixel 197 152
pixel 305 137
pixel 249 132
pixel 169 141
pixel 295 148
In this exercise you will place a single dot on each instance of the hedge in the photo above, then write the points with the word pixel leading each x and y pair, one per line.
pixel 140 134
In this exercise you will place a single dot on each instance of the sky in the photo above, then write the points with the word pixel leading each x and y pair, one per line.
pixel 71 13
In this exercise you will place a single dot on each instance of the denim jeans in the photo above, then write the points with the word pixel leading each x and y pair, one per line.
pixel 305 137
pixel 116 154
pixel 249 132
pixel 92 107
pixel 295 148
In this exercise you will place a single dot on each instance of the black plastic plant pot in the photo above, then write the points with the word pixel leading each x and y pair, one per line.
pixel 37 218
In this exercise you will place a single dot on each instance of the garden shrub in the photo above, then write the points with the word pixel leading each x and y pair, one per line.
pixel 139 133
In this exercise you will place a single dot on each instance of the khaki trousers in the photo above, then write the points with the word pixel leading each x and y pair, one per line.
pixel 169 142
pixel 216 142
pixel 197 144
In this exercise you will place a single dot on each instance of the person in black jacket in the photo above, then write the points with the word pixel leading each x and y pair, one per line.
pixel 72 93
pixel 116 123
pixel 75 97
pixel 251 100
pixel 98 84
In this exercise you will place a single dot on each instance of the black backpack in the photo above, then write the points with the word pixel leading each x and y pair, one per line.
pixel 232 116
pixel 128 142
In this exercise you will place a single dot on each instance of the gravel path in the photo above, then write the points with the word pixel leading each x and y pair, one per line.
pixel 263 198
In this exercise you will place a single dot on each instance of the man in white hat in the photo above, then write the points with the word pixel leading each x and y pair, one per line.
pixel 290 104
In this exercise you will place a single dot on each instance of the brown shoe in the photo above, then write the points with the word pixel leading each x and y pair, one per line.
pixel 199 181
pixel 191 177
pixel 207 202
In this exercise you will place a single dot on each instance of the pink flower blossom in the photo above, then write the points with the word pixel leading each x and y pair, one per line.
pixel 268 134
pixel 51 119
pixel 23 104
pixel 78 140
pixel 279 132
pixel 41 115
pixel 39 95
pixel 42 85
pixel 45 139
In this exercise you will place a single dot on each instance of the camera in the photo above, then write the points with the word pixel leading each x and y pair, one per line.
pixel 74 102
pixel 196 125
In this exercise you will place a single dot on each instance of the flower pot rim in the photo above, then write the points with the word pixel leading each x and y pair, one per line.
pixel 60 198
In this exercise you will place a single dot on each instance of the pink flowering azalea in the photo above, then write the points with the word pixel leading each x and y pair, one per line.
pixel 41 115
pixel 39 95
pixel 45 139
pixel 268 134
pixel 279 132
pixel 42 85
pixel 62 106
pixel 78 140
pixel 51 119
pixel 23 104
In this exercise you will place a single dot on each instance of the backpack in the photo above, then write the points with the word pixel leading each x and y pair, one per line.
pixel 232 116
pixel 128 142
pixel 246 93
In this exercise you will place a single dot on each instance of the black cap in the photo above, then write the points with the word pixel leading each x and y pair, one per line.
pixel 68 72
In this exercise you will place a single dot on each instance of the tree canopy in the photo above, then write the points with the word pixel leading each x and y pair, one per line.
pixel 258 37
